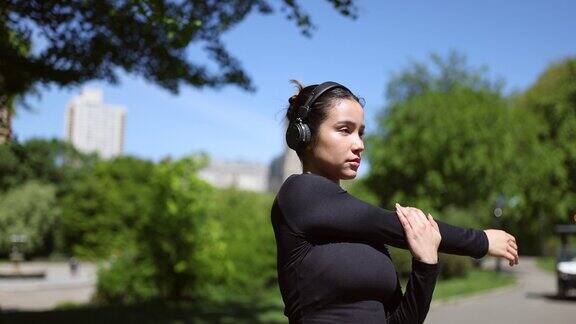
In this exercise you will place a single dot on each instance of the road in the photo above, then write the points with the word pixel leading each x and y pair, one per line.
pixel 531 301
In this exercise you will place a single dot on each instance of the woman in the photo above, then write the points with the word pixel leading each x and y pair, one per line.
pixel 333 265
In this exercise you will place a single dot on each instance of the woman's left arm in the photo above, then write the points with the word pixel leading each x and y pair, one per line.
pixel 315 207
pixel 456 240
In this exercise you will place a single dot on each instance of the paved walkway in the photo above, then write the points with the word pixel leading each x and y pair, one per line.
pixel 59 286
pixel 531 301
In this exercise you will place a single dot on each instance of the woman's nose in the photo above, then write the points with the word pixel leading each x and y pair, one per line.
pixel 358 145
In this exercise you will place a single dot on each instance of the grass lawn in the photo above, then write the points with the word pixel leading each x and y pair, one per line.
pixel 269 310
pixel 477 281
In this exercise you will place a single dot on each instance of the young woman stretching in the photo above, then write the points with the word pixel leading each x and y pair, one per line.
pixel 333 264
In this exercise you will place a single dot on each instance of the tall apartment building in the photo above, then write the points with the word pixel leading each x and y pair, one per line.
pixel 91 126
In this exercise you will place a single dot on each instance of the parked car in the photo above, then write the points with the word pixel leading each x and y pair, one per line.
pixel 566 260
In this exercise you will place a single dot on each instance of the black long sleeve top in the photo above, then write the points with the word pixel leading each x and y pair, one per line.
pixel 332 261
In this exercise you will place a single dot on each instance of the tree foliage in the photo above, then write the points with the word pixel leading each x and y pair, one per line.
pixel 74 41
pixel 553 99
pixel 441 75
pixel 192 241
pixel 237 253
pixel 103 206
pixel 30 210
pixel 451 143
pixel 169 233
pixel 49 160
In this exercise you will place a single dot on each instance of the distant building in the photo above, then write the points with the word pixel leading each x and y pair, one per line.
pixel 283 166
pixel 251 175
pixel 244 175
pixel 91 126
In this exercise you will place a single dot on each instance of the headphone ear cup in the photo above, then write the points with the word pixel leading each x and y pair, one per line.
pixel 298 136
pixel 306 135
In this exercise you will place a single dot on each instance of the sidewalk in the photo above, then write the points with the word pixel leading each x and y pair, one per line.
pixel 57 287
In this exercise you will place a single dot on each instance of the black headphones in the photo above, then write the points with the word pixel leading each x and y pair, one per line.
pixel 298 134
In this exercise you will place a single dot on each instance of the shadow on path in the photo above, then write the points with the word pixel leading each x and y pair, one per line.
pixel 551 297
pixel 184 312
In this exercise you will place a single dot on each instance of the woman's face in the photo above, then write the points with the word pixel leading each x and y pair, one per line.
pixel 340 140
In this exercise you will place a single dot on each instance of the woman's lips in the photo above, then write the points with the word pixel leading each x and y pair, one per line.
pixel 354 164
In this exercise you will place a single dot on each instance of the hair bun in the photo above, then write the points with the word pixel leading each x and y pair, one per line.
pixel 292 99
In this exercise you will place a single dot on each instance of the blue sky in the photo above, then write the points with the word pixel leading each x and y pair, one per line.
pixel 515 39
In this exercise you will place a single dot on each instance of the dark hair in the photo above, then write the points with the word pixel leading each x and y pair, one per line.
pixel 319 109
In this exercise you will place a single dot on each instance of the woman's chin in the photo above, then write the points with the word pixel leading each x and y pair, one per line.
pixel 349 174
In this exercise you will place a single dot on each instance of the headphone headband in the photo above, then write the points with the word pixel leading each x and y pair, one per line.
pixel 298 133
pixel 316 93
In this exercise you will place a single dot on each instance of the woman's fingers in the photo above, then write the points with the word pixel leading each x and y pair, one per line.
pixel 513 248
pixel 514 252
pixel 419 220
pixel 433 222
pixel 511 258
pixel 415 218
pixel 403 219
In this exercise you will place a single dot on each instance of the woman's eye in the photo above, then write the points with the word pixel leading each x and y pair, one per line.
pixel 344 129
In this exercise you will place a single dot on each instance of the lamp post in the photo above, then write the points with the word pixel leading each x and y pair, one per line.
pixel 498 211
pixel 16 255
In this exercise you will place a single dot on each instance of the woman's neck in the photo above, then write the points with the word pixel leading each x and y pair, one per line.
pixel 313 171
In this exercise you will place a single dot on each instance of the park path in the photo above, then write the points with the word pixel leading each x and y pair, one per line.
pixel 59 286
pixel 531 301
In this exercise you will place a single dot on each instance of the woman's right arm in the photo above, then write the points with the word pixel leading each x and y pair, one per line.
pixel 413 306
pixel 423 239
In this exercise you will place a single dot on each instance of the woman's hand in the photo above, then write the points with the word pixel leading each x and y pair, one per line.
pixel 502 244
pixel 422 233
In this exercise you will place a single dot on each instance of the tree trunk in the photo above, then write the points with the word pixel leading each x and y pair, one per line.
pixel 5 124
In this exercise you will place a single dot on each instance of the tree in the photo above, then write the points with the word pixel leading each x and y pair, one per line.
pixel 102 207
pixel 453 147
pixel 29 210
pixel 169 233
pixel 9 99
pixel 6 112
pixel 82 40
pixel 236 254
pixel 442 75
pixel 553 99
pixel 48 160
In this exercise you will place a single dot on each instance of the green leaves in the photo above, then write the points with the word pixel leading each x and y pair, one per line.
pixel 91 39
pixel 451 142
pixel 30 210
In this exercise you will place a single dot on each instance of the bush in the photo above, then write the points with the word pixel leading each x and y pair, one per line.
pixel 197 243
pixel 237 252
pixel 128 278
pixel 454 266
pixel 104 206
pixel 451 266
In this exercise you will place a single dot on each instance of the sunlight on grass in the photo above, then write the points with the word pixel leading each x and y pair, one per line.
pixel 474 282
